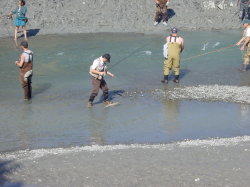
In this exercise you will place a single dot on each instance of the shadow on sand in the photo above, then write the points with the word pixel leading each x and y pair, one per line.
pixel 170 14
pixel 7 168
pixel 31 32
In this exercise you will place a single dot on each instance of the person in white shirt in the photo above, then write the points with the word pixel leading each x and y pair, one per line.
pixel 245 40
pixel 97 71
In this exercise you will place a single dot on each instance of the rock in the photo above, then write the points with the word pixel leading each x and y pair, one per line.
pixel 61 16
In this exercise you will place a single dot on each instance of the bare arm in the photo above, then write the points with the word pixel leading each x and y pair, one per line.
pixel 182 45
pixel 247 39
pixel 110 74
pixel 157 2
pixel 21 62
pixel 240 41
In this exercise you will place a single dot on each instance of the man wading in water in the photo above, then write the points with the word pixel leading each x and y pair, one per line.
pixel 172 52
pixel 97 71
pixel 161 8
pixel 25 69
pixel 245 39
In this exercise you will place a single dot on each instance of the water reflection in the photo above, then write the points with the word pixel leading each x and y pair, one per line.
pixel 171 112
pixel 96 126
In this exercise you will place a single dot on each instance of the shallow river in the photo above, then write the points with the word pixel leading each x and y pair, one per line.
pixel 211 101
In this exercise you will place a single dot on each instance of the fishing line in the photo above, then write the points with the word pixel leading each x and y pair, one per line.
pixel 126 57
pixel 210 52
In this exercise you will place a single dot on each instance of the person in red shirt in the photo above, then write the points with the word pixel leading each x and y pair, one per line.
pixel 161 9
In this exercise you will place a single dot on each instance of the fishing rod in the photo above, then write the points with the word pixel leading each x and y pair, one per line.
pixel 210 52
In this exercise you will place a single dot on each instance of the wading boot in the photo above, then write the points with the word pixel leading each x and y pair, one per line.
pixel 176 79
pixel 91 99
pixel 165 79
pixel 90 104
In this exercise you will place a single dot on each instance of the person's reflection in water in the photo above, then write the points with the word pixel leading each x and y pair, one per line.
pixel 24 126
pixel 171 112
pixel 96 126
pixel 244 112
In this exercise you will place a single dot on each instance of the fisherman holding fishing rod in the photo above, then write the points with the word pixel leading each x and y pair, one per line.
pixel 97 71
pixel 21 19
pixel 246 43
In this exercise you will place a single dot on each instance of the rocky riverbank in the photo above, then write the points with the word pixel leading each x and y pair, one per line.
pixel 88 16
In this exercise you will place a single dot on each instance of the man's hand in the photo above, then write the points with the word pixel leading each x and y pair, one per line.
pixel 242 48
pixel 238 43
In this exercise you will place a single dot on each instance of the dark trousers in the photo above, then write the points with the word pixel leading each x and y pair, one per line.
pixel 26 85
pixel 161 10
pixel 98 84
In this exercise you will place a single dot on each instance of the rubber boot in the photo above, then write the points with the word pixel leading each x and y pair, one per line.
pixel 26 93
pixel 29 91
pixel 176 79
pixel 244 68
pixel 91 99
pixel 165 79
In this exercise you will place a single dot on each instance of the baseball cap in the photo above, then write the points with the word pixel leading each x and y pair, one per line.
pixel 174 30
pixel 245 21
pixel 24 44
pixel 106 56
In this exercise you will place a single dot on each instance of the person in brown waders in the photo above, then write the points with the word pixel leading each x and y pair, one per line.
pixel 161 9
pixel 97 71
pixel 25 69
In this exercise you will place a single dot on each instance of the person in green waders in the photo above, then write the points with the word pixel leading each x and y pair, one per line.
pixel 246 43
pixel 97 71
pixel 21 19
pixel 172 51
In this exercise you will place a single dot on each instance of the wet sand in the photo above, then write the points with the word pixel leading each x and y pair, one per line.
pixel 217 163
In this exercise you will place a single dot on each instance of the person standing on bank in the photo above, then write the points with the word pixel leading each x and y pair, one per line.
pixel 25 69
pixel 97 71
pixel 21 19
pixel 161 9
pixel 244 4
pixel 245 40
pixel 172 51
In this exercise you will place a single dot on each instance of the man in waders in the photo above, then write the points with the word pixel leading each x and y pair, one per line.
pixel 172 51
pixel 97 71
pixel 161 9
pixel 25 69
pixel 245 39
pixel 244 4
